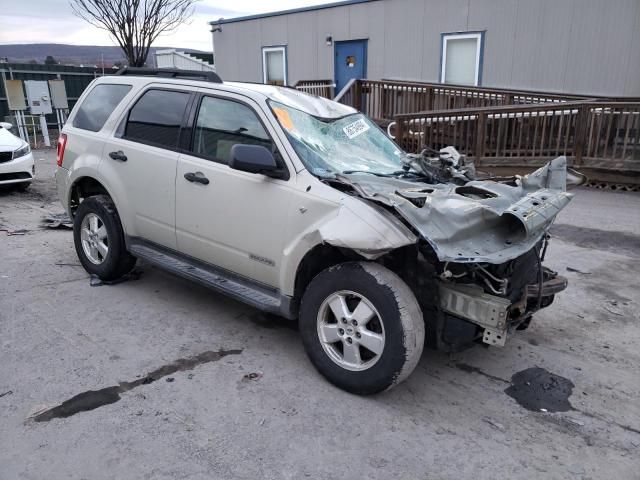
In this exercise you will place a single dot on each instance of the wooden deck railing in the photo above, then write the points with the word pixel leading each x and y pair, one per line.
pixel 382 100
pixel 594 135
pixel 321 88
pixel 508 129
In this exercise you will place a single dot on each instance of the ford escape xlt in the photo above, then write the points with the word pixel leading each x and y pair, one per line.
pixel 303 207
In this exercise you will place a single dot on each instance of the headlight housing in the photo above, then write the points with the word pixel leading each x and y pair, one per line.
pixel 21 152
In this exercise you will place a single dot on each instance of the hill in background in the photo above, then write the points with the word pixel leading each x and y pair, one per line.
pixel 72 54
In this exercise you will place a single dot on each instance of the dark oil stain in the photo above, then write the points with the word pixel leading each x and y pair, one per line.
pixel 536 389
pixel 471 369
pixel 93 399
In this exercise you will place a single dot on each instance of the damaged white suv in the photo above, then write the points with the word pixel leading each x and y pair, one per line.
pixel 303 207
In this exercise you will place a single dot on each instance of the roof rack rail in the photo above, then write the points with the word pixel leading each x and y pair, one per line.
pixel 171 73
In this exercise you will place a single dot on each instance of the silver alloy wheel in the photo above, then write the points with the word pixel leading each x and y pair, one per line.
pixel 94 238
pixel 350 330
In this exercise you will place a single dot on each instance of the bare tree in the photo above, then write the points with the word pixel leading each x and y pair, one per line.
pixel 134 24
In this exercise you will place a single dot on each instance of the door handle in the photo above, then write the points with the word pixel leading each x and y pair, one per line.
pixel 119 155
pixel 197 177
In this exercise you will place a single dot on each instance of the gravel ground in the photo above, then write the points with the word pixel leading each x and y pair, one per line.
pixel 209 417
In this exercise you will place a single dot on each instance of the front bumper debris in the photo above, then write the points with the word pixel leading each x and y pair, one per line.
pixel 496 315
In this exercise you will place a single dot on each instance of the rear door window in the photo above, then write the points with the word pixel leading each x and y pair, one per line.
pixel 223 123
pixel 99 105
pixel 156 118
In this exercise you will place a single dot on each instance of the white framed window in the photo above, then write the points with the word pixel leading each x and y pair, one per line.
pixel 462 58
pixel 274 65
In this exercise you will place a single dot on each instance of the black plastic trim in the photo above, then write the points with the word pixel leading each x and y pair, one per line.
pixel 170 73
pixel 248 291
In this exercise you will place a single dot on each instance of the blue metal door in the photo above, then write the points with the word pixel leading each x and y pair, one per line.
pixel 350 61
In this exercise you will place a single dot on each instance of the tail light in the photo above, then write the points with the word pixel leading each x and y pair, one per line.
pixel 62 142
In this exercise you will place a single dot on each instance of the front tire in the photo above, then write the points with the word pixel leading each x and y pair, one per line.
pixel 99 239
pixel 362 327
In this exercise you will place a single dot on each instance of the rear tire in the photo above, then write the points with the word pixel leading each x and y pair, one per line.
pixel 99 239
pixel 381 341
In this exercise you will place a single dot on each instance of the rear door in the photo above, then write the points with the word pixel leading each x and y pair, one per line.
pixel 141 159
pixel 238 220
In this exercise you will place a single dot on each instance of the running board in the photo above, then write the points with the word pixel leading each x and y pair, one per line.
pixel 246 291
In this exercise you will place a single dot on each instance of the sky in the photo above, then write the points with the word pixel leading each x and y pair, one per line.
pixel 52 21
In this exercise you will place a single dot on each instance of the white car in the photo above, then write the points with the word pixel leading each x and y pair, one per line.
pixel 303 207
pixel 16 161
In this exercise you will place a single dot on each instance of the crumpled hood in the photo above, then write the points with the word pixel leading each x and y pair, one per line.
pixel 481 221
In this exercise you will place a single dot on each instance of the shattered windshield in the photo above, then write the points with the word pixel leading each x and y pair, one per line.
pixel 345 145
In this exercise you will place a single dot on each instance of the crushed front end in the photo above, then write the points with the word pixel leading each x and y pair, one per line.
pixel 477 269
pixel 493 300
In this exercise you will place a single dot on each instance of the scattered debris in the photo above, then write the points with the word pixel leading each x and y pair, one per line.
pixel 190 376
pixel 572 421
pixel 170 379
pixel 9 392
pixel 261 422
pixel 496 425
pixel 92 399
pixel 57 221
pixel 611 307
pixel 68 264
pixel 252 376
pixel 21 231
pixel 290 412
pixel 134 274
pixel 575 270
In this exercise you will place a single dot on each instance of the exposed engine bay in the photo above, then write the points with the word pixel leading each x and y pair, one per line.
pixel 477 264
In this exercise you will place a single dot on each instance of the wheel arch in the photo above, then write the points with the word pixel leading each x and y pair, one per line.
pixel 83 187
pixel 317 259
pixel 325 255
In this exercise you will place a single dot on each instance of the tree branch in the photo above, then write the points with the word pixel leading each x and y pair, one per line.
pixel 134 24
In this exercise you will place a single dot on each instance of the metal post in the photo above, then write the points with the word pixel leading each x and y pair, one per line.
pixel 581 134
pixel 480 134
pixel 45 130
pixel 23 126
pixel 59 118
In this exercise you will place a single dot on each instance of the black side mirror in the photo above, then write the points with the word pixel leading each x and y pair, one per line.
pixel 255 159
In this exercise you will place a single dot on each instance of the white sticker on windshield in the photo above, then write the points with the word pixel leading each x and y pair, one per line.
pixel 356 128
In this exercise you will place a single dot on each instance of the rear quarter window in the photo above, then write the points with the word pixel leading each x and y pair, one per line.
pixel 156 118
pixel 99 105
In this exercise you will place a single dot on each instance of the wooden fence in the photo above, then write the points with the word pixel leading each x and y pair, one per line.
pixel 382 100
pixel 594 135
pixel 507 130
pixel 321 88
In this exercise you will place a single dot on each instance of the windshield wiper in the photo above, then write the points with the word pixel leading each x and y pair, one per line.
pixel 387 175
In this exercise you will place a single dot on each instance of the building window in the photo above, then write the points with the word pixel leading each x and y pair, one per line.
pixel 462 58
pixel 274 65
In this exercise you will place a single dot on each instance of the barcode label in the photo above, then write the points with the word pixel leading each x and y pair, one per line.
pixel 356 128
